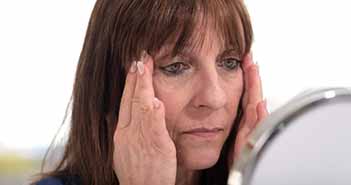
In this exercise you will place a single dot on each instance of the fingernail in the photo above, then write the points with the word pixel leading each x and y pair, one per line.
pixel 133 67
pixel 144 57
pixel 140 67
pixel 156 103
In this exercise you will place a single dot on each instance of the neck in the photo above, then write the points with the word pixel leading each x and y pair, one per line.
pixel 187 177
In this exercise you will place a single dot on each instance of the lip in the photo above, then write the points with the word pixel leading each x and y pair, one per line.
pixel 204 132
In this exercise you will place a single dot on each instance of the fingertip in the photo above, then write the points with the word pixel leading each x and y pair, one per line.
pixel 140 67
pixel 247 60
pixel 262 110
pixel 149 62
pixel 133 67
pixel 131 77
pixel 248 56
pixel 252 73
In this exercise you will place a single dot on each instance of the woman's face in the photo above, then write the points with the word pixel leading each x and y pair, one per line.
pixel 201 90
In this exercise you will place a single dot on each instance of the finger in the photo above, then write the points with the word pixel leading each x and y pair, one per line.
pixel 247 63
pixel 158 122
pixel 262 111
pixel 246 126
pixel 254 87
pixel 250 117
pixel 128 92
pixel 142 101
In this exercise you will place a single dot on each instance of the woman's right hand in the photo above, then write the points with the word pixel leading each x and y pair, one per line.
pixel 144 153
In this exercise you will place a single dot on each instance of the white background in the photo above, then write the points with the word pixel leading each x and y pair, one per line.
pixel 299 44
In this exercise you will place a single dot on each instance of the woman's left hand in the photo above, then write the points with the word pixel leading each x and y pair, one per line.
pixel 254 107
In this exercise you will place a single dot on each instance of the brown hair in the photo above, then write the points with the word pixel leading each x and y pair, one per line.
pixel 117 33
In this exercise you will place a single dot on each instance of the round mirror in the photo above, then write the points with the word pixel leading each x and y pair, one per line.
pixel 305 142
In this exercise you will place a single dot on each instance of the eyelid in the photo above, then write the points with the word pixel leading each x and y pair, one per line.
pixel 238 58
pixel 174 63
pixel 173 60
pixel 184 67
pixel 231 58
pixel 237 63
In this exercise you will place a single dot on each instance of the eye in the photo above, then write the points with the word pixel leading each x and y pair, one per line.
pixel 230 63
pixel 175 68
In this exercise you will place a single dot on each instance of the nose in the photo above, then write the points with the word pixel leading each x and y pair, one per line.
pixel 209 92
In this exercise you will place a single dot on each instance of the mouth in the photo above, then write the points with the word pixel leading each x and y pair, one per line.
pixel 204 132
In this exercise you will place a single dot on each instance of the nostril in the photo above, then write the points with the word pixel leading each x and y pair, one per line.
pixel 211 97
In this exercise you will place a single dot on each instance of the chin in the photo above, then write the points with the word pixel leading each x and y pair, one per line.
pixel 199 159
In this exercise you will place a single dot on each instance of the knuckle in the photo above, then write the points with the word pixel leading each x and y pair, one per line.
pixel 136 101
pixel 141 105
pixel 145 108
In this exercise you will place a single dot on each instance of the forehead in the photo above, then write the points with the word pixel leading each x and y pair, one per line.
pixel 206 30
pixel 204 39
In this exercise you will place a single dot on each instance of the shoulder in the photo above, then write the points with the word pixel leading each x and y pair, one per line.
pixel 50 181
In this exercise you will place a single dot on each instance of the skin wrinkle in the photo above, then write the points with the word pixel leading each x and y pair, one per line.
pixel 206 46
pixel 194 105
pixel 117 33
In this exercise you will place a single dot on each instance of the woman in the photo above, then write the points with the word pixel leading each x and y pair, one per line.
pixel 179 113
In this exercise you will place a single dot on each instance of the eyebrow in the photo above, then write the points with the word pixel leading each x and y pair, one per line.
pixel 230 51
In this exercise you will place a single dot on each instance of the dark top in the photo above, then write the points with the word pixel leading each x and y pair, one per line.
pixel 50 181
pixel 59 181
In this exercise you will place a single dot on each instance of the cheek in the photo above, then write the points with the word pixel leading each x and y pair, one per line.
pixel 174 94
pixel 234 88
pixel 233 84
pixel 172 91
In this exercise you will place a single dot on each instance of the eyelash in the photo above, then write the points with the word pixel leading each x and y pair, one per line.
pixel 233 66
pixel 166 70
pixel 183 67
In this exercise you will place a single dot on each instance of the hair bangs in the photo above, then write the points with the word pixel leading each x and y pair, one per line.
pixel 179 24
pixel 231 24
